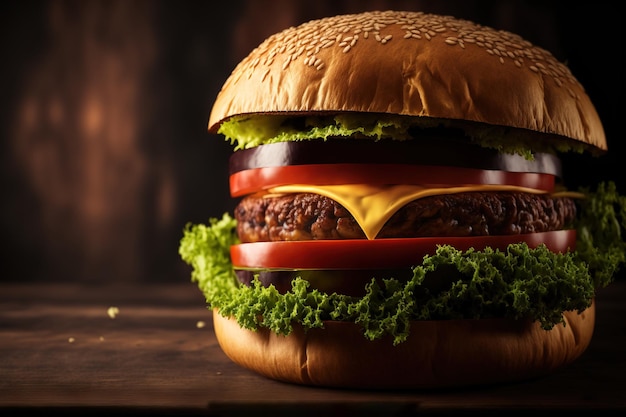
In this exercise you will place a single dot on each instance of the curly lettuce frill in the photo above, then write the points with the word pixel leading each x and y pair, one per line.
pixel 518 283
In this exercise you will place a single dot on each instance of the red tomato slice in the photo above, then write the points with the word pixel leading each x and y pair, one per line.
pixel 378 253
pixel 253 180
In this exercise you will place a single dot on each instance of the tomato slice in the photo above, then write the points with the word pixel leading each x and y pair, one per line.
pixel 253 180
pixel 378 253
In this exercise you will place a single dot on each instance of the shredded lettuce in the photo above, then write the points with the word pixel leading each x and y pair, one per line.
pixel 249 131
pixel 519 282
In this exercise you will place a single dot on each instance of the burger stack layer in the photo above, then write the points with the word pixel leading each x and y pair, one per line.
pixel 401 204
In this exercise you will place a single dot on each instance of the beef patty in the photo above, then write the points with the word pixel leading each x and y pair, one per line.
pixel 308 216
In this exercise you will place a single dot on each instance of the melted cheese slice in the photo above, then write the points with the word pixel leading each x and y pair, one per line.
pixel 372 206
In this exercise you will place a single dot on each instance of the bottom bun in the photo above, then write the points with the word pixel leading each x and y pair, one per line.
pixel 437 354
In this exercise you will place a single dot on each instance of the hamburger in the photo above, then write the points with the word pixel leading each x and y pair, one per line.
pixel 402 220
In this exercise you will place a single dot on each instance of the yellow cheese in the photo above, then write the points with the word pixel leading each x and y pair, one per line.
pixel 568 194
pixel 372 206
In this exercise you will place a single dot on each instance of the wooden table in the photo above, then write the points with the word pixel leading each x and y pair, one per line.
pixel 60 349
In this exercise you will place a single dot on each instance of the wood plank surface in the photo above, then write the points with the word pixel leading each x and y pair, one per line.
pixel 60 349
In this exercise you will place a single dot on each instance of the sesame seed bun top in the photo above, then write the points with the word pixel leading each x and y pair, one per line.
pixel 415 64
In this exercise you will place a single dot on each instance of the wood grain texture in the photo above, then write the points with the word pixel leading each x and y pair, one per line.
pixel 59 348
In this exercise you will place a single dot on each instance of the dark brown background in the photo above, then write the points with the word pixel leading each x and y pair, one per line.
pixel 104 105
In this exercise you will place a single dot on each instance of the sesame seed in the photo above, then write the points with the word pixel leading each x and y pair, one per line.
pixel 112 312
pixel 304 44
pixel 571 92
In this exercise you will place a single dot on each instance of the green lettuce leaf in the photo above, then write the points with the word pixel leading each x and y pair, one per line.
pixel 519 282
pixel 600 232
pixel 250 131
